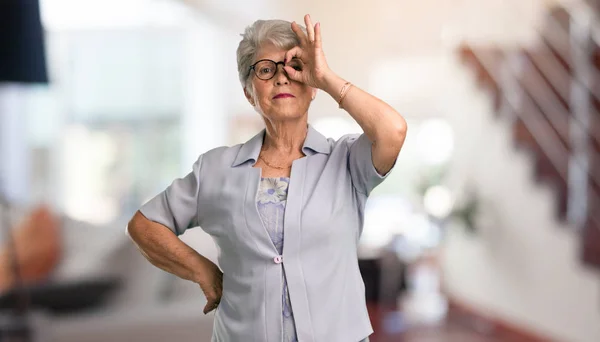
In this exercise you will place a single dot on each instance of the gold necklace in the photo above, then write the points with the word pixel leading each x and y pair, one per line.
pixel 273 166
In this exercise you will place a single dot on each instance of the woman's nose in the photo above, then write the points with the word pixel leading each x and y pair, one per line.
pixel 281 77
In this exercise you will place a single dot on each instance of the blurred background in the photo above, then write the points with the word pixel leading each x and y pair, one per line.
pixel 488 228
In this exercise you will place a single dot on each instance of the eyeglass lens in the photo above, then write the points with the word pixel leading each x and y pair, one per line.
pixel 265 70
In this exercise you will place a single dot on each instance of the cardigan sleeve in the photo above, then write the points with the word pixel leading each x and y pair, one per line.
pixel 177 206
pixel 360 164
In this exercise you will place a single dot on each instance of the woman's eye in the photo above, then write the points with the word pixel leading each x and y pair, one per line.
pixel 297 67
pixel 265 70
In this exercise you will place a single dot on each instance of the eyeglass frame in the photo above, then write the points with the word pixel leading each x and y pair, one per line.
pixel 253 68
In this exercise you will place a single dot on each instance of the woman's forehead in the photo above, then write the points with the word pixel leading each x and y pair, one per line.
pixel 272 52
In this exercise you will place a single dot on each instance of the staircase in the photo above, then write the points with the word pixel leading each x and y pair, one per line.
pixel 550 93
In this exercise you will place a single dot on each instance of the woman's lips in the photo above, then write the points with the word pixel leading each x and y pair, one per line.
pixel 283 96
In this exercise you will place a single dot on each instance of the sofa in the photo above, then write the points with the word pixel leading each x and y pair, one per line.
pixel 147 305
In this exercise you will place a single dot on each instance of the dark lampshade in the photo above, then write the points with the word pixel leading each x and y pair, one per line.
pixel 22 53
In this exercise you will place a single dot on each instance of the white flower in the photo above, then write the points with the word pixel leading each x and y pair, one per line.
pixel 272 190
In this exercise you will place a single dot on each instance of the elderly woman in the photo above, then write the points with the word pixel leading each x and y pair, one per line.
pixel 285 208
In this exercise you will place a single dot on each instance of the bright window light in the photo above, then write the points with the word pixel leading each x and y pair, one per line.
pixel 438 201
pixel 435 139
pixel 335 127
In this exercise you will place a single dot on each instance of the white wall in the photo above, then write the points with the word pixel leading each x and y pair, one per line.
pixel 523 266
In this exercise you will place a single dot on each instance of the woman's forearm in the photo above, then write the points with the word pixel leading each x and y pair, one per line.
pixel 165 250
pixel 378 120
pixel 382 124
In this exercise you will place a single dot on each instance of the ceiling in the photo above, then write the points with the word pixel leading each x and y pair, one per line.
pixel 391 26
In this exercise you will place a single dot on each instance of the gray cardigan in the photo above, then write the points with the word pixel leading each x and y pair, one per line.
pixel 323 222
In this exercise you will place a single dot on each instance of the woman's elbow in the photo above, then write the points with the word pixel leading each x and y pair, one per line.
pixel 397 133
pixel 133 225
pixel 401 127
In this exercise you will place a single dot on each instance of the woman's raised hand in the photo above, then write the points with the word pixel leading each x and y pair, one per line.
pixel 313 68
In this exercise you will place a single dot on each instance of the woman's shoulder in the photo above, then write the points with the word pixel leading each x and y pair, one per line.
pixel 224 155
pixel 345 141
pixel 227 156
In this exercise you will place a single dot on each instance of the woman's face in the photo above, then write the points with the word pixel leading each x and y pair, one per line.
pixel 279 98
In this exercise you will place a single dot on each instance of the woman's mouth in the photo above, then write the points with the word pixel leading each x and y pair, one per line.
pixel 283 96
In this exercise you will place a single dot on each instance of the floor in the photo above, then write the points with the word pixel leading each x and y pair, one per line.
pixel 454 328
pixel 421 302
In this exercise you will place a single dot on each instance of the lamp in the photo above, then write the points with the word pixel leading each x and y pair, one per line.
pixel 22 57
pixel 22 60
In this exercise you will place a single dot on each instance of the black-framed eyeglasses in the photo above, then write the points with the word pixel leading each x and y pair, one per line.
pixel 265 69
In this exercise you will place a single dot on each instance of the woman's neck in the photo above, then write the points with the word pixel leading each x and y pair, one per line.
pixel 285 137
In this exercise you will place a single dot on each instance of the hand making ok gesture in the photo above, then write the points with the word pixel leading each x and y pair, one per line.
pixel 313 67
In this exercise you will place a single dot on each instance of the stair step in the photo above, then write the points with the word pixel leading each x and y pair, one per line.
pixel 548 174
pixel 548 68
pixel 484 73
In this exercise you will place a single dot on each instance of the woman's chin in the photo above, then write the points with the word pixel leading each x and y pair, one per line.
pixel 286 114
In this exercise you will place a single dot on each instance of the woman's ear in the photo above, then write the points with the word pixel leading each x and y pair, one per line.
pixel 314 93
pixel 248 96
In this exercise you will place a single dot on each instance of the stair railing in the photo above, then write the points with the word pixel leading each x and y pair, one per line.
pixel 535 120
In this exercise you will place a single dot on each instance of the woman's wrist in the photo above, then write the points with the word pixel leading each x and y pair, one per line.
pixel 202 270
pixel 332 85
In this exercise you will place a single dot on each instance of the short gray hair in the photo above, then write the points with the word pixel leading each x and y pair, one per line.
pixel 276 32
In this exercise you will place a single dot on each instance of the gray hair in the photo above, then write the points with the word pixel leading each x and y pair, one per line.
pixel 276 32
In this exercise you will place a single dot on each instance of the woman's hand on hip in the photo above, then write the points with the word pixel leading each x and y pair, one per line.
pixel 211 283
pixel 310 52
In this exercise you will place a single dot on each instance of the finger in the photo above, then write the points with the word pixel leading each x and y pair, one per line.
pixel 295 52
pixel 309 28
pixel 210 306
pixel 298 31
pixel 293 74
pixel 318 41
